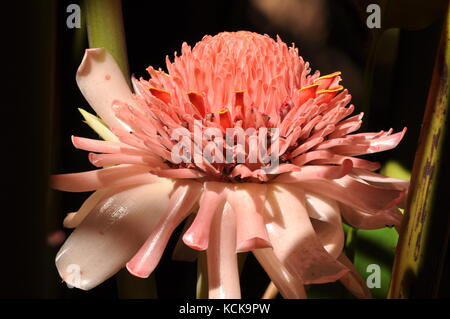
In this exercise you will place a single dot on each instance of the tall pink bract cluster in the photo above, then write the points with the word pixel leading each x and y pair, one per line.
pixel 289 215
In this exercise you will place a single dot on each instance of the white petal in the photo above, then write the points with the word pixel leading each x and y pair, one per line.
pixel 111 234
pixel 101 81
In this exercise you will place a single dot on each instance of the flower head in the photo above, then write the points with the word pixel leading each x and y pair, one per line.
pixel 241 134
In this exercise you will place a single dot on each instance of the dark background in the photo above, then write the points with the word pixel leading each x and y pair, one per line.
pixel 40 100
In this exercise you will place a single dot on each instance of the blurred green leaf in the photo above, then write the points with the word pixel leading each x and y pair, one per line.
pixel 376 247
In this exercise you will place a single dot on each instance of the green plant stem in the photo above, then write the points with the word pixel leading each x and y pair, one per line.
pixel 105 29
pixel 202 276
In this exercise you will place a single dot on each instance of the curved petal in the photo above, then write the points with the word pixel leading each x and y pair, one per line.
pixel 356 194
pixel 361 220
pixel 326 220
pixel 321 157
pixel 371 145
pixel 223 271
pixel 211 202
pixel 101 81
pixel 353 281
pixel 289 284
pixel 313 172
pixel 381 180
pixel 109 147
pixel 111 234
pixel 247 201
pixel 101 160
pixel 293 237
pixel 120 175
pixel 179 173
pixel 180 206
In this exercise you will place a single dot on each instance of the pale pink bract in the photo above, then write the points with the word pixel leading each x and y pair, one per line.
pixel 289 217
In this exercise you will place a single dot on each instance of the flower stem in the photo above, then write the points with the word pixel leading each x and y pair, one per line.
pixel 202 276
pixel 105 29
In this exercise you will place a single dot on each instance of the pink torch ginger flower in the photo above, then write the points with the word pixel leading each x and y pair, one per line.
pixel 289 215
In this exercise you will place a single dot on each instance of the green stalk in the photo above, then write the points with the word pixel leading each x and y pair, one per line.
pixel 423 241
pixel 105 29
pixel 202 276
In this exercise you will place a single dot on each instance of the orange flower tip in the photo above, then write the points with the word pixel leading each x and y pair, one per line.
pixel 193 93
pixel 328 76
pixel 197 100
pixel 309 87
pixel 239 100
pixel 339 88
pixel 161 94
pixel 225 118
pixel 223 111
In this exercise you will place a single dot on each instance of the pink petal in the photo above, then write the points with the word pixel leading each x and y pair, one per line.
pixel 180 206
pixel 107 147
pixel 326 220
pixel 211 202
pixel 223 272
pixel 241 170
pixel 283 168
pixel 101 81
pixel 316 172
pixel 179 173
pixel 351 192
pixel 381 180
pixel 111 234
pixel 101 160
pixel 328 157
pixel 362 220
pixel 120 175
pixel 98 146
pixel 247 201
pixel 353 281
pixel 371 146
pixel 289 284
pixel 293 237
